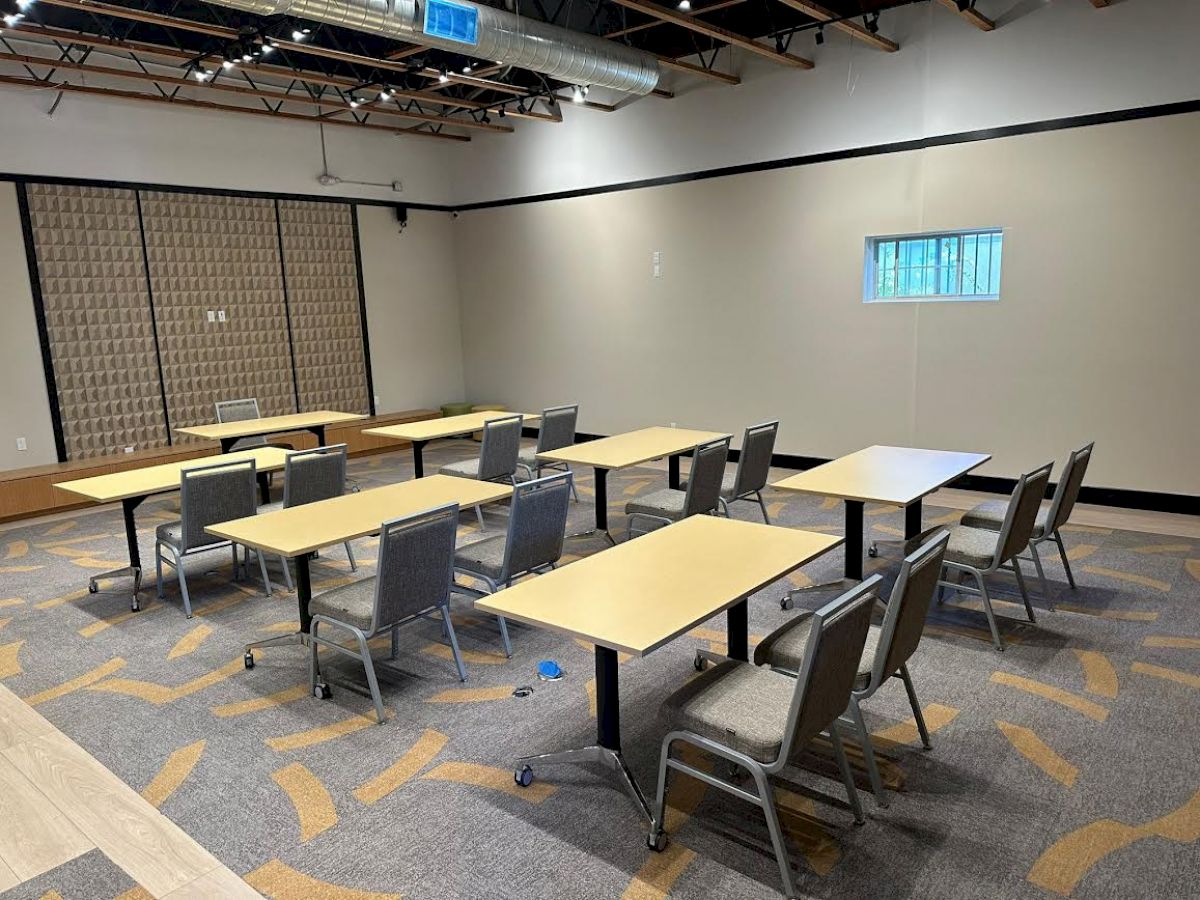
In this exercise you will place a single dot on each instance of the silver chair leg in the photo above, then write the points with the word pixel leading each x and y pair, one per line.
pixel 574 491
pixel 314 668
pixel 916 706
pixel 479 516
pixel 236 570
pixel 187 600
pixel 768 807
pixel 1037 564
pixel 158 568
pixel 868 753
pixel 462 672
pixel 847 779
pixel 350 556
pixel 504 636
pixel 762 504
pixel 287 575
pixel 724 507
pixel 262 567
pixel 987 609
pixel 658 814
pixel 1062 551
pixel 369 667
pixel 1021 584
pixel 395 641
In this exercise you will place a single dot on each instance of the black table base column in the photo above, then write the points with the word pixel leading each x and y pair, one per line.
pixel 854 540
pixel 601 484
pixel 264 487
pixel 303 598
pixel 738 631
pixel 319 431
pixel 607 749
pixel 227 443
pixel 673 472
pixel 134 569
pixel 912 520
pixel 418 459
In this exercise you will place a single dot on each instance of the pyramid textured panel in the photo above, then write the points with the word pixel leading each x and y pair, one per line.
pixel 220 253
pixel 323 299
pixel 98 318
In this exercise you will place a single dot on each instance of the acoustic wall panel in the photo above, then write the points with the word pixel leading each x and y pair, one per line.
pixel 220 253
pixel 98 318
pixel 321 269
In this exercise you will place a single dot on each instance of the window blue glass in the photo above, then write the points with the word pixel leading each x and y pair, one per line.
pixel 962 265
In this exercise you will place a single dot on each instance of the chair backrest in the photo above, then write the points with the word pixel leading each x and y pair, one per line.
pixel 558 427
pixel 904 621
pixel 1022 513
pixel 500 448
pixel 537 523
pixel 1067 491
pixel 829 667
pixel 212 494
pixel 312 475
pixel 416 565
pixel 704 480
pixel 241 411
pixel 754 462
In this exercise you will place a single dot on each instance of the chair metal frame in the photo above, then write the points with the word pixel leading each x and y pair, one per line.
pixel 764 799
pixel 507 575
pixel 634 517
pixel 536 471
pixel 511 476
pixel 177 557
pixel 363 653
pixel 741 491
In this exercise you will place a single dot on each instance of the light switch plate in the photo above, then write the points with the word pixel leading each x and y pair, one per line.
pixel 220 315
pixel 21 445
pixel 212 316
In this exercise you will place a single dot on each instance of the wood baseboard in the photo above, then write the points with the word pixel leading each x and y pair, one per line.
pixel 30 492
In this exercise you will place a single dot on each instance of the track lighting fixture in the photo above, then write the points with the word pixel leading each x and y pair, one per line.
pixel 487 120
pixel 872 22
pixel 501 113
pixel 227 64
pixel 466 69
pixel 964 5
pixel 299 34
pixel 443 77
pixel 202 75
pixel 577 94
pixel 521 108
pixel 23 5
pixel 268 49
pixel 385 93
pixel 13 18
pixel 684 6
pixel 354 102
pixel 820 35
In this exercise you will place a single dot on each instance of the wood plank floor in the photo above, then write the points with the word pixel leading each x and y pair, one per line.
pixel 60 803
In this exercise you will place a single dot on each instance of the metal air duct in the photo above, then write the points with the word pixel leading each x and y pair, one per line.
pixel 560 53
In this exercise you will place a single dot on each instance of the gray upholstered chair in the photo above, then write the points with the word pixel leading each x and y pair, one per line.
pixel 414 574
pixel 557 430
pixel 753 469
pixel 990 515
pixel 761 720
pixel 208 495
pixel 888 647
pixel 981 552
pixel 242 411
pixel 703 494
pixel 310 476
pixel 497 455
pixel 537 525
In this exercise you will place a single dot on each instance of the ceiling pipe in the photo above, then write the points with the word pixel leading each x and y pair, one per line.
pixel 507 38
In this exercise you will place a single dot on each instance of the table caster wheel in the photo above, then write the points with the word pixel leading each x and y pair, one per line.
pixel 657 841
pixel 523 776
pixel 699 663
pixel 785 602
pixel 321 691
pixel 93 587
pixel 134 605
pixel 873 551
pixel 248 659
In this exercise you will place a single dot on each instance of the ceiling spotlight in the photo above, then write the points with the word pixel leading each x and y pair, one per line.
pixel 385 94
pixel 24 4
pixel 487 120
pixel 684 6
pixel 300 34
pixel 227 64
pixel 521 108
pixel 443 77
pixel 577 94
pixel 821 35
pixel 354 102
pixel 268 49
pixel 12 19
pixel 466 69
pixel 202 75
pixel 872 23
pixel 964 5
pixel 501 113
pixel 246 57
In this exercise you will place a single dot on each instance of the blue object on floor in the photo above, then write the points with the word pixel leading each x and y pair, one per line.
pixel 549 670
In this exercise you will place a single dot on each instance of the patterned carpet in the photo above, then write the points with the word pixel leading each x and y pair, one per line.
pixel 1068 765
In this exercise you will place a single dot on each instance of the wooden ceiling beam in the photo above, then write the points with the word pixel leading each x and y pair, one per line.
pixel 251 92
pixel 978 19
pixel 692 69
pixel 672 17
pixel 850 27
pixel 712 7
pixel 66 87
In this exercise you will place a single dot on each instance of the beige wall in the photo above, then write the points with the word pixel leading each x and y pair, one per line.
pixel 759 314
pixel 24 409
pixel 412 308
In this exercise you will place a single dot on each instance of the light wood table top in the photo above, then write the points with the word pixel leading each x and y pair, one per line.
pixel 432 429
pixel 633 447
pixel 269 425
pixel 163 478
pixel 644 593
pixel 893 475
pixel 303 529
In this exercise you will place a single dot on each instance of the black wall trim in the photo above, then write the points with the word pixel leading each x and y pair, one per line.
pixel 162 382
pixel 287 306
pixel 362 308
pixel 963 137
pixel 39 311
pixel 1153 501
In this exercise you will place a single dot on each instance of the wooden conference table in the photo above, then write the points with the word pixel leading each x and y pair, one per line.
pixel 299 532
pixel 896 476
pixel 644 593
pixel 421 433
pixel 135 485
pixel 630 449
pixel 229 433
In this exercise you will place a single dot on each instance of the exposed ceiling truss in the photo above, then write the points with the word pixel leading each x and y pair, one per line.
pixel 196 54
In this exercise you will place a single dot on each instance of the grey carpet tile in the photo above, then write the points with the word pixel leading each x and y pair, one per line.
pixel 91 876
pixel 1065 766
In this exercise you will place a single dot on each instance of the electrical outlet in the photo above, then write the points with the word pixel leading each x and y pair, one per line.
pixel 129 448
pixel 656 263
pixel 220 315
pixel 377 401
pixel 212 316
pixel 21 445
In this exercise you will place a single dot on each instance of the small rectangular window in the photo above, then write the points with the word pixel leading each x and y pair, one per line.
pixel 949 265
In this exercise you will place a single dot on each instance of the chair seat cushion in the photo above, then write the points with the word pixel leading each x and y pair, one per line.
pixel 351 603
pixel 468 468
pixel 528 458
pixel 666 502
pixel 270 507
pixel 736 704
pixel 989 515
pixel 172 533
pixel 974 547
pixel 784 648
pixel 727 484
pixel 485 557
